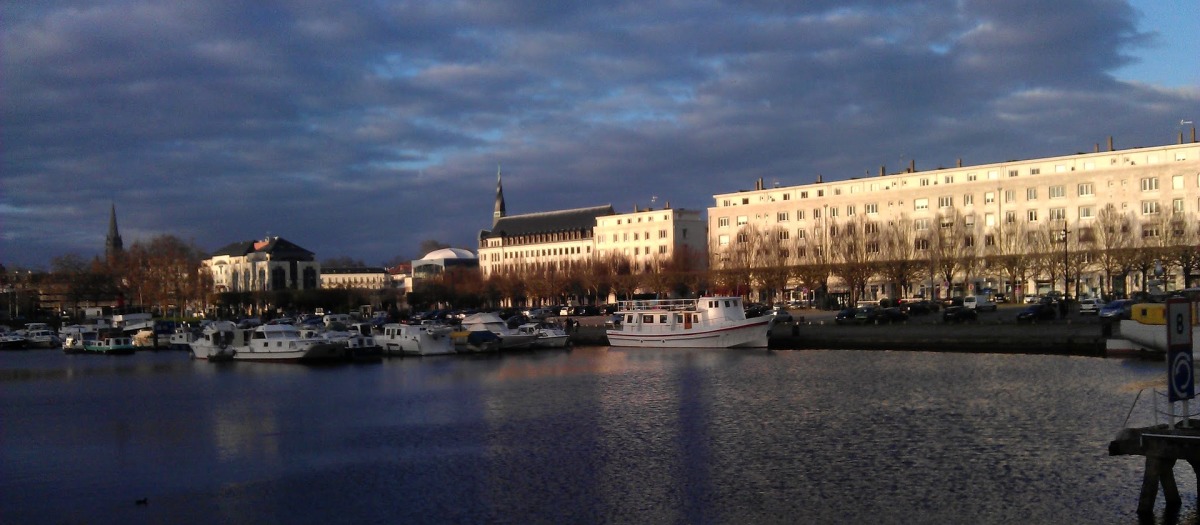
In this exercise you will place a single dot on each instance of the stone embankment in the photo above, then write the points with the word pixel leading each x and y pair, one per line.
pixel 1054 337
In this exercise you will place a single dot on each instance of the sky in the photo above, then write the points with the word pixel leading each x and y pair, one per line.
pixel 360 129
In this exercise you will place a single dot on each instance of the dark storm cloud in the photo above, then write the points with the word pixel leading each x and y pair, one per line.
pixel 359 129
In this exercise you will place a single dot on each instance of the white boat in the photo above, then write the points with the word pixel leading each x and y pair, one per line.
pixel 510 339
pixel 546 335
pixel 283 343
pixel 416 339
pixel 707 322
pixel 10 340
pixel 213 341
pixel 358 341
pixel 42 338
pixel 1146 331
pixel 182 337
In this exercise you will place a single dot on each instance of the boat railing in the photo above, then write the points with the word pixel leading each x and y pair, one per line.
pixel 657 304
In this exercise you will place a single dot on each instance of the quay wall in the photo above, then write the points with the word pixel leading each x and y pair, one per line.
pixel 1045 338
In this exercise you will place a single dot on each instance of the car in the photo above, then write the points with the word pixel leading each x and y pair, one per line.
pixel 1117 310
pixel 959 314
pixel 870 315
pixel 1033 299
pixel 1037 312
pixel 781 315
pixel 999 298
pixel 844 316
pixel 895 314
pixel 1090 305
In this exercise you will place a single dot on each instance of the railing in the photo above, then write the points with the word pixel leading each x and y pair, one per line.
pixel 657 304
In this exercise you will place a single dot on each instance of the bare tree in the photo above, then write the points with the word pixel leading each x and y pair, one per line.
pixel 855 251
pixel 899 263
pixel 1113 238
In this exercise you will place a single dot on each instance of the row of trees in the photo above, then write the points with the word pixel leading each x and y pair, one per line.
pixel 953 248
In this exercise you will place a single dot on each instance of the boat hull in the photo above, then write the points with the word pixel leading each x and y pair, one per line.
pixel 750 334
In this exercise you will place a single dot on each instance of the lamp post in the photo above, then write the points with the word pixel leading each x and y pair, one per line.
pixel 1066 262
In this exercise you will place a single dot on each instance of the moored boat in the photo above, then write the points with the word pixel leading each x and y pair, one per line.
pixel 546 335
pixel 283 343
pixel 111 343
pixel 416 339
pixel 706 322
pixel 213 342
pixel 1146 329
pixel 510 339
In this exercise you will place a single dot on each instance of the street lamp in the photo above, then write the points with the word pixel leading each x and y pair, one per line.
pixel 1066 263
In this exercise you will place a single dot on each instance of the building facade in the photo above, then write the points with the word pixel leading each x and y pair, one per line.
pixel 273 263
pixel 973 215
pixel 650 239
pixel 357 278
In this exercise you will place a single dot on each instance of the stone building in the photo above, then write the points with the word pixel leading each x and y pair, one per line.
pixel 273 263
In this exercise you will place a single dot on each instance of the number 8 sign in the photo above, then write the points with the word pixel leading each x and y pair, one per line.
pixel 1179 349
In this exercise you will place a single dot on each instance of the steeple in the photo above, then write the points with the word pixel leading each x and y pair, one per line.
pixel 499 211
pixel 112 244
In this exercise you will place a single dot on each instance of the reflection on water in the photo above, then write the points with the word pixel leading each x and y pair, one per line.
pixel 580 436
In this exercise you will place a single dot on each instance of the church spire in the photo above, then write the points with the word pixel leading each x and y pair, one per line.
pixel 499 211
pixel 112 244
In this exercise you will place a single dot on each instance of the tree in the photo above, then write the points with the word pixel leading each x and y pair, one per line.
pixel 343 262
pixel 1113 237
pixel 855 250
pixel 899 264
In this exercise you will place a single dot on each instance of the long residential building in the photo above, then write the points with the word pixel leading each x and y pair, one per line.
pixel 1155 190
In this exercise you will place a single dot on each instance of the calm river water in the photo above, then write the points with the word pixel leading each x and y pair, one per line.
pixel 590 435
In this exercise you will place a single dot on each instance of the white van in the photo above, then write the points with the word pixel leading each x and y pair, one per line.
pixel 979 302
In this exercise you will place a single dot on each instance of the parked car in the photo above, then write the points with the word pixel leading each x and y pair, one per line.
pixel 978 302
pixel 870 315
pixel 1117 310
pixel 894 314
pixel 1037 312
pixel 1090 305
pixel 1033 299
pixel 844 316
pixel 959 314
pixel 999 298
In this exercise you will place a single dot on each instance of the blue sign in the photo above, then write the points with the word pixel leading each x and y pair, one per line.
pixel 1180 376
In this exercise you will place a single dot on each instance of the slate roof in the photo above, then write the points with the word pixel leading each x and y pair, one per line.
pixel 548 222
pixel 277 247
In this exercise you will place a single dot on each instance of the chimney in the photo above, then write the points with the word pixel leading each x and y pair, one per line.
pixel 760 183
pixel 1180 138
pixel 667 206
pixel 960 162
pixel 882 170
pixel 1110 143
pixel 819 178
pixel 1097 148
pixel 912 165
pixel 635 208
pixel 1193 134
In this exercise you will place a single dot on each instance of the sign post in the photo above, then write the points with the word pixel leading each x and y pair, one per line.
pixel 1180 380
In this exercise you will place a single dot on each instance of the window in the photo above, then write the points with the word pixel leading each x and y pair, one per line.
pixel 1031 194
pixel 799 215
pixel 921 204
pixel 989 240
pixel 783 235
pixel 1150 184
pixel 1087 189
pixel 1177 182
pixel 850 210
pixel 781 216
pixel 742 220
pixel 1058 214
pixel 804 195
pixel 971 177
pixel 787 196
pixel 723 240
pixel 945 202
pixel 871 227
pixel 1010 196
pixel 1150 231
pixel 925 181
pixel 921 244
pixel 1177 206
pixel 989 197
pixel 722 222
pixel 662 234
pixel 1031 215
pixel 1086 212
pixel 1010 217
pixel 921 224
pixel 968 199
pixel 993 175
pixel 1058 192
pixel 989 219
pixel 948 179
pixel 816 213
pixel 800 233
pixel 1035 171
pixel 1149 207
pixel 873 247
pixel 833 212
pixel 820 193
pixel 1012 173
pixel 872 208
pixel 742 238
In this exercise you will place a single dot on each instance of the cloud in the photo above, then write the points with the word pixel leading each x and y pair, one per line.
pixel 361 129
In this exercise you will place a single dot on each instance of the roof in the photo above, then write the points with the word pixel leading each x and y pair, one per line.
pixel 548 222
pixel 449 253
pixel 356 270
pixel 276 247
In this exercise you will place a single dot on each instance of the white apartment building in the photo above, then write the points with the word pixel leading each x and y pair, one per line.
pixel 651 238
pixel 373 278
pixel 1068 192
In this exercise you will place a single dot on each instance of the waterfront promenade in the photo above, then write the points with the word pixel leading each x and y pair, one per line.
pixel 994 332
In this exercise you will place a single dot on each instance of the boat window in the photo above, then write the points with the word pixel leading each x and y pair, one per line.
pixel 678 318
pixel 662 318
pixel 726 303
pixel 647 318
pixel 629 319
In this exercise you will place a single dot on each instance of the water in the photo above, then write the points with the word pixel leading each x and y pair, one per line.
pixel 582 436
